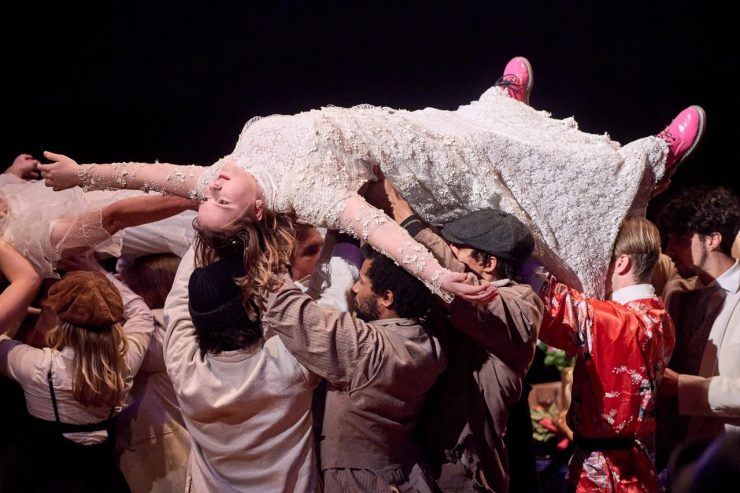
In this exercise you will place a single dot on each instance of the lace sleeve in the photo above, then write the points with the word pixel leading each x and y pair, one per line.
pixel 166 178
pixel 74 234
pixel 372 225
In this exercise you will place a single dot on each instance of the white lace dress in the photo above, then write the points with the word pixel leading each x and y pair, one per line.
pixel 33 210
pixel 572 189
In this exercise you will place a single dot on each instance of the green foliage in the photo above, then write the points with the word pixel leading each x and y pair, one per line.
pixel 540 433
pixel 556 357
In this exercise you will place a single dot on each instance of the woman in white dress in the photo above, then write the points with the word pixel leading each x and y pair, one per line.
pixel 572 189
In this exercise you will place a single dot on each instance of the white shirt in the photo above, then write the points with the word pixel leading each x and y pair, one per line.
pixel 29 367
pixel 248 411
pixel 716 391
pixel 632 293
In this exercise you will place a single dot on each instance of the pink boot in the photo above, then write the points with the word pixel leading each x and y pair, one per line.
pixel 518 79
pixel 683 135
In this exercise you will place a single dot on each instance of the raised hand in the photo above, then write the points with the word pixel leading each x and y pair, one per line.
pixel 61 173
pixel 24 166
pixel 455 283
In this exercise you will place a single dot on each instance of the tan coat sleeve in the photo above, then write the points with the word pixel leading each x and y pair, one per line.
pixel 441 251
pixel 508 326
pixel 327 342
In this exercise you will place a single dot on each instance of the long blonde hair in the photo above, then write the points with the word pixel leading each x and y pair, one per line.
pixel 99 365
pixel 264 247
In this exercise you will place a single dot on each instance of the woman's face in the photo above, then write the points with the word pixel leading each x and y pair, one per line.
pixel 310 243
pixel 228 197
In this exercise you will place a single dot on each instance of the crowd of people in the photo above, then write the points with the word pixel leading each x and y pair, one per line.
pixel 356 304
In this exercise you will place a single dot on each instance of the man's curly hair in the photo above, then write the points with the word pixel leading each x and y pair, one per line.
pixel 411 299
pixel 703 210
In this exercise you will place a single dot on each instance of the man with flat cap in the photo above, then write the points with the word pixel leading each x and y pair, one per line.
pixel 489 352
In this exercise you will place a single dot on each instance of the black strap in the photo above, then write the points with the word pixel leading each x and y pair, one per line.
pixel 73 428
pixel 53 397
pixel 613 443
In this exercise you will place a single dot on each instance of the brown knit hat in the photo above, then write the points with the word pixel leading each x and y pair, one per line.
pixel 86 299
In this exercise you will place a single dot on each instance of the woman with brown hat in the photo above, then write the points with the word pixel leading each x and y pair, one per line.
pixel 75 387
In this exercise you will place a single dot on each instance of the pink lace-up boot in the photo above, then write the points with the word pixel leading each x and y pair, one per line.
pixel 518 79
pixel 682 136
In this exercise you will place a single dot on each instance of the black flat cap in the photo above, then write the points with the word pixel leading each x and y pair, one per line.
pixel 492 231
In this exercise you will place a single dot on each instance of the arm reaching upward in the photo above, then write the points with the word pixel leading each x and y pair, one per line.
pixel 382 193
pixel 373 226
pixel 64 172
pixel 24 284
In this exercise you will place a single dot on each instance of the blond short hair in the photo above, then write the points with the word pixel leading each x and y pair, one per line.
pixel 639 239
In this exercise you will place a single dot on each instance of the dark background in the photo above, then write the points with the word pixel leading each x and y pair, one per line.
pixel 176 81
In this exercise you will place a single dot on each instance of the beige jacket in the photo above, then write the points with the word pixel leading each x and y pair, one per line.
pixel 379 374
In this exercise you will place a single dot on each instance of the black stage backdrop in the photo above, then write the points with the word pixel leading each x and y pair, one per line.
pixel 176 81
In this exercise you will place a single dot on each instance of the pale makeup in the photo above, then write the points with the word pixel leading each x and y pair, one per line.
pixel 228 197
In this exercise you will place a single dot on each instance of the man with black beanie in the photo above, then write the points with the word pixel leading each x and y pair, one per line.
pixel 244 398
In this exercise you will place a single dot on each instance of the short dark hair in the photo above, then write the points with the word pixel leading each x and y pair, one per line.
pixel 505 269
pixel 703 210
pixel 411 299
pixel 227 338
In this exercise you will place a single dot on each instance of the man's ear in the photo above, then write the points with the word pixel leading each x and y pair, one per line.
pixel 713 240
pixel 622 264
pixel 387 299
pixel 491 267
pixel 259 209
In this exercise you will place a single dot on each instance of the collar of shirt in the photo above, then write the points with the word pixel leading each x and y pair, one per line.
pixel 501 282
pixel 632 293
pixel 399 322
pixel 730 279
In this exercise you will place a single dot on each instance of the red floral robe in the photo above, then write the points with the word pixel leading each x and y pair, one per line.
pixel 621 351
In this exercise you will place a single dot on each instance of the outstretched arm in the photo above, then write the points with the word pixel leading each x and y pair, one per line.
pixel 92 227
pixel 717 396
pixel 383 194
pixel 24 284
pixel 64 172
pixel 135 211
pixel 373 226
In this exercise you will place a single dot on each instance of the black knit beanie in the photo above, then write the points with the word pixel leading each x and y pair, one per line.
pixel 216 302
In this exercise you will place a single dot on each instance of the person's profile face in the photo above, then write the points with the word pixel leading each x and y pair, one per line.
pixel 465 255
pixel 365 300
pixel 688 253
pixel 308 253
